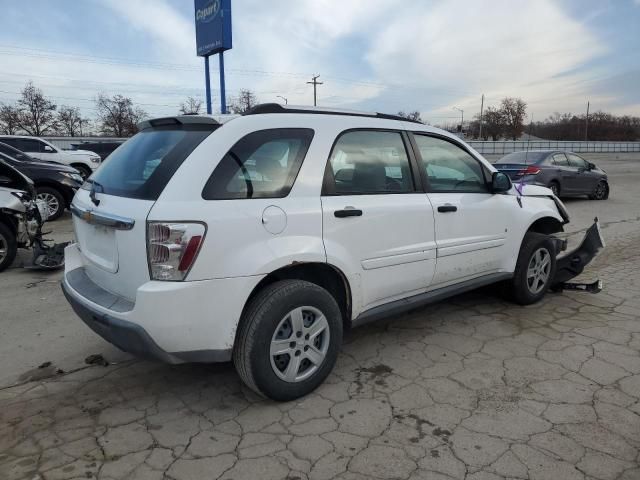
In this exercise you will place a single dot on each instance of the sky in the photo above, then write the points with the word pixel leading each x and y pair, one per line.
pixel 433 56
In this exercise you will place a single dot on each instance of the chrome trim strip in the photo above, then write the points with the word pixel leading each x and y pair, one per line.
pixel 102 218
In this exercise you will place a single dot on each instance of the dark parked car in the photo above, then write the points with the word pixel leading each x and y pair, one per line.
pixel 55 183
pixel 104 149
pixel 565 173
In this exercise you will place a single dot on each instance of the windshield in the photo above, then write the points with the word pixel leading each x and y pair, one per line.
pixel 527 158
pixel 145 163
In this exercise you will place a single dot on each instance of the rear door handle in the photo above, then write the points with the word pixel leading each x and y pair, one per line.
pixel 447 208
pixel 348 212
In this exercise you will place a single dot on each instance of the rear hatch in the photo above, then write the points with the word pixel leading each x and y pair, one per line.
pixel 111 208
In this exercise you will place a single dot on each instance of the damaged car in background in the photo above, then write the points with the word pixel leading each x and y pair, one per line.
pixel 260 238
pixel 21 219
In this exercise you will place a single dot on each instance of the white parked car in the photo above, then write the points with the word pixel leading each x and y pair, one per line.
pixel 82 160
pixel 260 238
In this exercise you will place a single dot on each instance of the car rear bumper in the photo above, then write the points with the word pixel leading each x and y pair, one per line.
pixel 173 322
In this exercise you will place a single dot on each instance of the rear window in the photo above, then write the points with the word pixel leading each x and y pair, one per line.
pixel 145 163
pixel 527 158
pixel 263 164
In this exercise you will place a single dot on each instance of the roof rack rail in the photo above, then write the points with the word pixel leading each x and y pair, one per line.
pixel 278 108
pixel 178 120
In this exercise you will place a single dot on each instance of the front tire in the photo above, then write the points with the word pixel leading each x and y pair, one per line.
pixel 85 172
pixel 54 200
pixel 8 247
pixel 601 192
pixel 535 269
pixel 288 339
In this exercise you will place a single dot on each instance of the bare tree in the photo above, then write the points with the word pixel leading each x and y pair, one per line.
pixel 118 115
pixel 191 106
pixel 513 111
pixel 70 120
pixel 9 119
pixel 415 115
pixel 245 101
pixel 37 113
pixel 493 123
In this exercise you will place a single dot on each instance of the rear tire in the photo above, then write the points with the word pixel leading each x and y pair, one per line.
pixel 299 319
pixel 54 200
pixel 535 269
pixel 8 247
pixel 555 188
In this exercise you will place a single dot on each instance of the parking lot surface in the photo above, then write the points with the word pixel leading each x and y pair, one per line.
pixel 470 388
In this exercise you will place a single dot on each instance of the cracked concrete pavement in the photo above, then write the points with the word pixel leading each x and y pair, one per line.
pixel 471 388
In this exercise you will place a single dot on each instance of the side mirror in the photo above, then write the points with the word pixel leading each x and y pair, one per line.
pixel 500 182
pixel 590 166
pixel 48 149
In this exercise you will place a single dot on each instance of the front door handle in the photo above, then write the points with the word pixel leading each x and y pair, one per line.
pixel 447 208
pixel 348 212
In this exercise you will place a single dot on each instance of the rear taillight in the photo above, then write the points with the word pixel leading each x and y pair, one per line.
pixel 530 170
pixel 172 248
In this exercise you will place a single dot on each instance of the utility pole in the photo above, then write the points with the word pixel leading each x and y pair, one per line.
pixel 586 125
pixel 314 81
pixel 462 119
pixel 481 108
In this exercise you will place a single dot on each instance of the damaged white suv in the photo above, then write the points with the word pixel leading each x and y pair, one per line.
pixel 259 238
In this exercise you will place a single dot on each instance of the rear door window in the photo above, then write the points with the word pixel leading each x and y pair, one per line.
pixel 145 163
pixel 365 162
pixel 263 164
pixel 30 146
pixel 560 160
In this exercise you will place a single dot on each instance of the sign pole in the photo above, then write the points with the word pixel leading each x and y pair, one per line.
pixel 208 83
pixel 223 98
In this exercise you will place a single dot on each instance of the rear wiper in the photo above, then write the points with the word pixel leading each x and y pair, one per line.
pixel 93 190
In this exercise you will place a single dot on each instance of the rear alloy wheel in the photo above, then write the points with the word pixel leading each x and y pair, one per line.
pixel 288 339
pixel 601 192
pixel 555 188
pixel 535 269
pixel 8 247
pixel 54 201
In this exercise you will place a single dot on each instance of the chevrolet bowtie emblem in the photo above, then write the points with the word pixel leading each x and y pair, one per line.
pixel 87 216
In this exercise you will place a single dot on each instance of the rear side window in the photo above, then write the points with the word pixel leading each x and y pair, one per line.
pixel 365 162
pixel 263 164
pixel 145 163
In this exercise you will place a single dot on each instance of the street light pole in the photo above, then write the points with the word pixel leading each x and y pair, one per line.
pixel 286 102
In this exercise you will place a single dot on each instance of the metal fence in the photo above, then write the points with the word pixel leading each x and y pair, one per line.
pixel 66 142
pixel 502 147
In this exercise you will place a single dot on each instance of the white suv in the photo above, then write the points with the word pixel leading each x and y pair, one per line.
pixel 259 238
pixel 82 160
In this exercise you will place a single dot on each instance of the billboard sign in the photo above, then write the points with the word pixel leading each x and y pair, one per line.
pixel 213 26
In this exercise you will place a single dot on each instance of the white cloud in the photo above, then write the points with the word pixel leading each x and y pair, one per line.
pixel 377 54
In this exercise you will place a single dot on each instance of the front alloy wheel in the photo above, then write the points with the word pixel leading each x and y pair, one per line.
pixel 539 270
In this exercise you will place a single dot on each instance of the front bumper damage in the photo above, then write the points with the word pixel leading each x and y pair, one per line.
pixel 573 263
